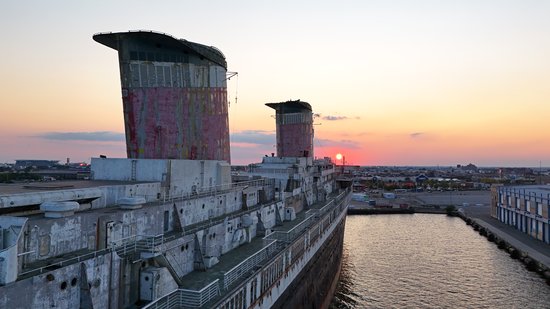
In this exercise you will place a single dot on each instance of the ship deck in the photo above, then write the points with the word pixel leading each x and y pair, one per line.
pixel 33 187
pixel 197 279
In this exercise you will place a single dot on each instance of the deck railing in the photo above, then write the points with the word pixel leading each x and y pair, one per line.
pixel 138 243
pixel 245 266
pixel 77 259
pixel 172 300
pixel 185 298
pixel 215 190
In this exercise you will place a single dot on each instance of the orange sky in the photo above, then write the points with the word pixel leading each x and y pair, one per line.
pixel 395 83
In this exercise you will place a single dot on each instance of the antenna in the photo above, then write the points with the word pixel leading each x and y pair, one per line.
pixel 228 76
pixel 540 172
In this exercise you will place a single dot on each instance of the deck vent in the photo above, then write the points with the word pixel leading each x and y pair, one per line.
pixel 131 202
pixel 59 209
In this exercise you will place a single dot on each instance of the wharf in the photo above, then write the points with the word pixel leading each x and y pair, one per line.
pixel 363 208
pixel 534 248
pixel 379 211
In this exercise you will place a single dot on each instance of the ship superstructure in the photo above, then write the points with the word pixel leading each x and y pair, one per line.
pixel 174 96
pixel 176 233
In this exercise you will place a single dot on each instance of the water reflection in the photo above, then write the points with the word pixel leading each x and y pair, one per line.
pixel 430 261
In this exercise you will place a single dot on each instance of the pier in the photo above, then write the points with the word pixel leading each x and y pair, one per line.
pixel 534 253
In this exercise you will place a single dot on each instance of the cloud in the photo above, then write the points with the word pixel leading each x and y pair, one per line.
pixel 336 118
pixel 344 143
pixel 416 134
pixel 365 133
pixel 98 136
pixel 258 137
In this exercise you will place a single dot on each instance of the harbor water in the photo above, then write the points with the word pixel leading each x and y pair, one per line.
pixel 430 261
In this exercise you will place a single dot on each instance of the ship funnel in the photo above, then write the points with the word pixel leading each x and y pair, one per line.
pixel 294 121
pixel 174 96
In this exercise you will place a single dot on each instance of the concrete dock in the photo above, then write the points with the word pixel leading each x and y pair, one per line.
pixel 534 248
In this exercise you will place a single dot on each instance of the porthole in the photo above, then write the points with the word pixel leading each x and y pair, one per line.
pixel 63 285
pixel 202 206
pixel 146 278
pixel 74 281
pixel 50 277
pixel 186 246
pixel 181 211
pixel 182 248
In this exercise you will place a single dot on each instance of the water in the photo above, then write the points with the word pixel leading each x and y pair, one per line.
pixel 430 261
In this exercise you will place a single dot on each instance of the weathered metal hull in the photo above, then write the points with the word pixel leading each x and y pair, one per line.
pixel 316 283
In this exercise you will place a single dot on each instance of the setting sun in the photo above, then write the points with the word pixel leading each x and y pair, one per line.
pixel 338 156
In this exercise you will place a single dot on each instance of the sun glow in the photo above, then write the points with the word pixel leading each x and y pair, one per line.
pixel 339 156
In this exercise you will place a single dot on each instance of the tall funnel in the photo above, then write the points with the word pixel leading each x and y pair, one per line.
pixel 294 121
pixel 174 96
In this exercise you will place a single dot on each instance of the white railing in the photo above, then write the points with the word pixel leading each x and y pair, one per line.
pixel 138 243
pixel 312 216
pixel 206 191
pixel 185 298
pixel 199 298
pixel 263 170
pixel 70 261
pixel 172 300
pixel 242 268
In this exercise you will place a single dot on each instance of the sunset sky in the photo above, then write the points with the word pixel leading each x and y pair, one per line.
pixel 393 82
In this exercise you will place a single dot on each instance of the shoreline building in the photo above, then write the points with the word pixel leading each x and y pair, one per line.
pixel 524 207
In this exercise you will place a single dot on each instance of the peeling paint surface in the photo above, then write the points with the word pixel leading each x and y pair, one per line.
pixel 179 123
pixel 294 139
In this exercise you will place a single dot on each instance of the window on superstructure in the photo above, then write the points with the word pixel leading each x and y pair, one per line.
pixel 166 220
pixel 518 202
pixel 539 209
pixel 528 205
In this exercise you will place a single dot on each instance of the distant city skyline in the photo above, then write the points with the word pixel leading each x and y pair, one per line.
pixel 421 84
